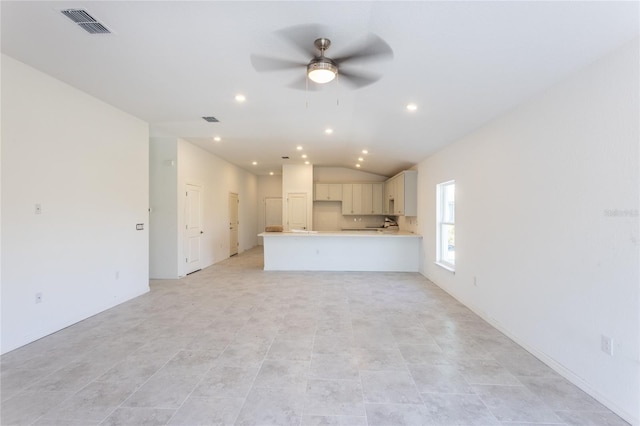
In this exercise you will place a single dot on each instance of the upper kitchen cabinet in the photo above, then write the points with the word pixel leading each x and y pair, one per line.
pixel 372 198
pixel 351 198
pixel 328 192
pixel 362 198
pixel 401 194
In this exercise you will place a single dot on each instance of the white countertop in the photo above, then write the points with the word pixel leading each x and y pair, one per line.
pixel 365 234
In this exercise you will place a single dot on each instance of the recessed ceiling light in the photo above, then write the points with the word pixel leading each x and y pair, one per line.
pixel 328 131
pixel 306 162
pixel 299 148
pixel 365 152
pixel 360 159
pixel 271 173
pixel 412 107
pixel 240 97
pixel 358 165
pixel 255 163
pixel 304 155
pixel 217 138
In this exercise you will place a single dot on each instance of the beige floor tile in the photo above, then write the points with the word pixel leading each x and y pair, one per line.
pixel 236 344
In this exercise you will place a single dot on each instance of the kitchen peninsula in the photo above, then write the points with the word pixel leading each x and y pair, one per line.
pixel 341 251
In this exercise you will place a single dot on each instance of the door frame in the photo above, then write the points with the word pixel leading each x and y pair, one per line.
pixel 237 225
pixel 185 230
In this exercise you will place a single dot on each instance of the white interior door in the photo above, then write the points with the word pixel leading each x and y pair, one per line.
pixel 233 223
pixel 193 227
pixel 297 211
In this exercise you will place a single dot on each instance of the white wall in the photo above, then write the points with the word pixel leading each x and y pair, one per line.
pixel 218 178
pixel 537 193
pixel 344 175
pixel 86 164
pixel 297 178
pixel 163 203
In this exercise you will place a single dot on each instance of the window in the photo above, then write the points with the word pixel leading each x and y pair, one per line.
pixel 446 231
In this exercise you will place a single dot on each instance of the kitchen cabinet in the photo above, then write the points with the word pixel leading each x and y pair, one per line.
pixel 351 198
pixel 389 195
pixel 401 197
pixel 372 198
pixel 362 198
pixel 377 191
pixel 328 192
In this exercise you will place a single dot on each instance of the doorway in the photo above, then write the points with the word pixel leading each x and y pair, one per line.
pixel 233 223
pixel 272 211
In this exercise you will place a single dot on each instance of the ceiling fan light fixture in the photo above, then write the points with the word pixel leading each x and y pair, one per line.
pixel 322 70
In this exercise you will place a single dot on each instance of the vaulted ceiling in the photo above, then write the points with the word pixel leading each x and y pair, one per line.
pixel 172 62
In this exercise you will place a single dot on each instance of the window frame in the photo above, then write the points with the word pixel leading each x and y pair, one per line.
pixel 441 204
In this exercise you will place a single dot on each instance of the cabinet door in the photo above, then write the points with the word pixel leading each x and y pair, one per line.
pixel 357 199
pixel 322 192
pixel 367 200
pixel 347 198
pixel 410 193
pixel 335 191
pixel 389 189
pixel 328 192
pixel 399 195
pixel 376 198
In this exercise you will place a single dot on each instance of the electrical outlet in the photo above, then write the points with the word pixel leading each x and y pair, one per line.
pixel 117 275
pixel 38 297
pixel 606 344
pixel 38 209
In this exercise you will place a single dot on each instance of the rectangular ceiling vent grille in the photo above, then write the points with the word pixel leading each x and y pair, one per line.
pixel 211 119
pixel 86 21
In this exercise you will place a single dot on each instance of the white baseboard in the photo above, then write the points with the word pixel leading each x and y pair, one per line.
pixel 631 418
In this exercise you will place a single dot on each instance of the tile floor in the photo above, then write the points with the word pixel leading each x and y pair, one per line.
pixel 233 344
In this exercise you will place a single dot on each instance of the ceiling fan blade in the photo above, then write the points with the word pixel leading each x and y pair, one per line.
pixel 357 80
pixel 266 63
pixel 302 36
pixel 373 48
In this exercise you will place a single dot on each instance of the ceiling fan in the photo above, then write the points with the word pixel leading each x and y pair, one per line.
pixel 320 68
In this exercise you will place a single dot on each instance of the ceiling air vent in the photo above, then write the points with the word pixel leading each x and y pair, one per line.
pixel 211 119
pixel 85 21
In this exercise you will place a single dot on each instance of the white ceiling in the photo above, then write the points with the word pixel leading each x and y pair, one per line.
pixel 172 62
